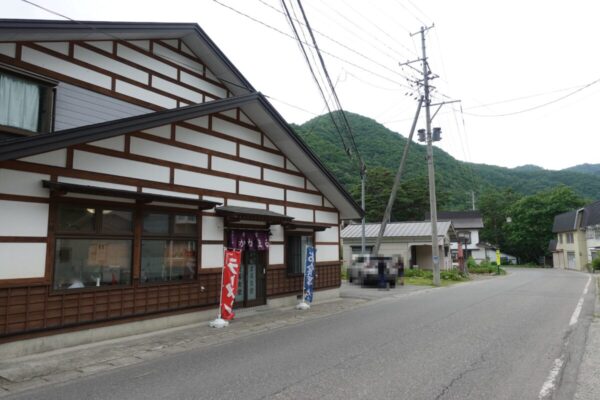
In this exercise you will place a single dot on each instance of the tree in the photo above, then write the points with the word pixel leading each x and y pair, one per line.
pixel 494 206
pixel 532 217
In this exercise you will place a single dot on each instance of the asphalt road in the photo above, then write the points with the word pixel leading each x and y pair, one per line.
pixel 495 339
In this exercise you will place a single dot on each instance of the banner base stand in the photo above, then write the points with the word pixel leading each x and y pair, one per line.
pixel 218 323
pixel 302 306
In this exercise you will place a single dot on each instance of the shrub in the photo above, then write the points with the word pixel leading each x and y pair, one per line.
pixel 596 263
pixel 451 275
pixel 420 273
pixel 471 263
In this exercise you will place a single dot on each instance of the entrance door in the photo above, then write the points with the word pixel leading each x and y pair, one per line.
pixel 252 284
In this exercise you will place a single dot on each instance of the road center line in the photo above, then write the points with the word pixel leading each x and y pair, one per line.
pixel 577 311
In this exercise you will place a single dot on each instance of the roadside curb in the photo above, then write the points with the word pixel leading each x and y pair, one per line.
pixel 588 381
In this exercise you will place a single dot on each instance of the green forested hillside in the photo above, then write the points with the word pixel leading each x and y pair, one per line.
pixel 382 149
pixel 593 169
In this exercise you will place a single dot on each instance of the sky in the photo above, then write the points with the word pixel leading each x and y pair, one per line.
pixel 526 72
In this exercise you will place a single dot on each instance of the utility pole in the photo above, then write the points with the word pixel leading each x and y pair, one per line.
pixel 473 199
pixel 363 173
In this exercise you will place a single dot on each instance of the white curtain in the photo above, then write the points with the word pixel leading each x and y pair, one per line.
pixel 19 103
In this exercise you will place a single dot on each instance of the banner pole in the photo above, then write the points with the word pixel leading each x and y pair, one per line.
pixel 220 322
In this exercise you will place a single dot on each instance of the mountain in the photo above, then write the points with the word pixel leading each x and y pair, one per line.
pixel 382 148
pixel 593 169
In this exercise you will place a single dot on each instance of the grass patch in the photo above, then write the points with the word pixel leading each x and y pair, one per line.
pixel 422 277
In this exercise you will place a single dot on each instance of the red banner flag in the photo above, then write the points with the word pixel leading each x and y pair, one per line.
pixel 229 286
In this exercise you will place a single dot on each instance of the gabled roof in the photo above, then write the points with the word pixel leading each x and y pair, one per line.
pixel 397 229
pixel 564 222
pixel 591 214
pixel 460 219
pixel 255 105
pixel 191 33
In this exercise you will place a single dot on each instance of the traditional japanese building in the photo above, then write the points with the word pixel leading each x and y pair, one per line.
pixel 131 155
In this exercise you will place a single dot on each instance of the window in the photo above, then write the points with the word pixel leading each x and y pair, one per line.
pixel 295 252
pixel 560 238
pixel 25 104
pixel 571 260
pixel 570 237
pixel 358 249
pixel 169 247
pixel 93 247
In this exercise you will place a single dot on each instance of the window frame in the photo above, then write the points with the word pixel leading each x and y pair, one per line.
pixel 289 234
pixel 47 101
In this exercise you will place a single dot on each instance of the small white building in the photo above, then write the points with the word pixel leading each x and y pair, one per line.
pixel 411 240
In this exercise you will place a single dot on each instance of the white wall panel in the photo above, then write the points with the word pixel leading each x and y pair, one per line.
pixel 235 167
pixel 204 140
pixel 212 256
pixel 177 58
pixel 277 209
pixel 291 166
pixel 8 49
pixel 115 143
pixel 88 182
pixel 304 198
pixel 244 118
pixel 327 252
pixel 177 90
pixel 300 214
pixel 277 233
pixel 64 67
pixel 22 183
pixel 283 178
pixel 261 156
pixel 327 203
pixel 56 158
pixel 229 113
pixel 275 254
pixel 171 193
pixel 110 64
pixel 22 260
pixel 328 235
pixel 326 217
pixel 105 45
pixel 204 181
pixel 249 204
pixel 212 228
pixel 254 189
pixel 119 166
pixel 269 144
pixel 148 62
pixel 20 218
pixel 145 95
pixel 142 44
pixel 169 153
pixel 237 131
pixel 200 121
pixel 187 50
pixel 160 131
pixel 310 186
pixel 59 47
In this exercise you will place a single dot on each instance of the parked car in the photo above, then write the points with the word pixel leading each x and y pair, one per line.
pixel 364 270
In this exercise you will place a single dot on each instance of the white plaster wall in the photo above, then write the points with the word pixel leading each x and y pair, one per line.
pixel 249 204
pixel 291 166
pixel 149 62
pixel 22 183
pixel 88 182
pixel 269 144
pixel 178 90
pixel 22 260
pixel 237 131
pixel 326 202
pixel 277 209
pixel 119 166
pixel 171 193
pixel 144 94
pixel 160 131
pixel 275 254
pixel 310 186
pixel 304 198
pixel 109 64
pixel 59 47
pixel 326 217
pixel 56 158
pixel 283 178
pixel 327 252
pixel 64 67
pixel 169 153
pixel 277 232
pixel 177 58
pixel 203 85
pixel 8 49
pixel 200 121
pixel 105 45
pixel 212 256
pixel 300 214
pixel 261 156
pixel 115 143
pixel 204 181
pixel 23 219
pixel 328 235
pixel 235 167
pixel 254 189
pixel 212 228
pixel 210 142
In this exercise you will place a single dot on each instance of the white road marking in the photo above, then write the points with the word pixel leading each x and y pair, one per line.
pixel 577 311
pixel 550 383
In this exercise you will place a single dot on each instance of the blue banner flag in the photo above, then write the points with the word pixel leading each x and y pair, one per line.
pixel 309 274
